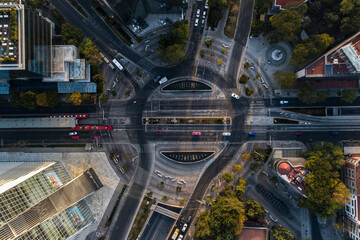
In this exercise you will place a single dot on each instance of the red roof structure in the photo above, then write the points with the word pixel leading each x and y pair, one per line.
pixel 282 3
pixel 284 168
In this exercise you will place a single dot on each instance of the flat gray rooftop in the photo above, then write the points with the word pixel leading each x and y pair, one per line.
pixel 38 122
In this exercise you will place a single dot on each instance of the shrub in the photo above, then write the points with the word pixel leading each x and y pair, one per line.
pixel 208 42
pixel 249 91
pixel 244 79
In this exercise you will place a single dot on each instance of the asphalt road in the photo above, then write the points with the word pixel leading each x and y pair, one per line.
pixel 241 38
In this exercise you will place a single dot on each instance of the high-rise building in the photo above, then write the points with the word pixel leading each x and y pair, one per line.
pixel 39 200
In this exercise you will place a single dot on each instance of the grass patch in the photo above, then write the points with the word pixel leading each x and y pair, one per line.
pixel 284 121
pixel 140 218
pixel 231 21
pixel 309 111
pixel 108 222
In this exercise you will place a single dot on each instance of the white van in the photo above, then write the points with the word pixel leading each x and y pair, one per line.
pixel 163 80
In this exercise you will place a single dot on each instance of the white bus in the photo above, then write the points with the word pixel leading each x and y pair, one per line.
pixel 116 62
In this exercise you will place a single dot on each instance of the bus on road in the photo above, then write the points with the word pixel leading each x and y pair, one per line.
pixel 116 62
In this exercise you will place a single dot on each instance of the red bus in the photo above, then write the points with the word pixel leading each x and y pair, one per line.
pixel 78 115
pixel 92 127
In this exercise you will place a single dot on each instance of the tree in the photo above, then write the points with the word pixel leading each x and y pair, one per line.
pixel 349 95
pixel 71 34
pixel 178 188
pixel 25 100
pixel 255 166
pixel 165 198
pixel 245 157
pixel 307 94
pixel 52 98
pixel 41 100
pixel 182 202
pixel 208 42
pixel 92 54
pixel 237 168
pixel 225 220
pixel 257 27
pixel 249 91
pixel 244 79
pixel 240 189
pixel 260 154
pixel 161 185
pixel 74 98
pixel 103 98
pixel 281 233
pixel 228 177
pixel 286 25
pixel 298 6
pixel 247 65
pixel 286 80
pixel 325 192
pixel 98 79
pixel 254 211
pixel 175 53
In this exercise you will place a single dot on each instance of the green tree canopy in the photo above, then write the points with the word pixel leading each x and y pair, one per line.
pixel 349 95
pixel 71 35
pixel 225 220
pixel 286 80
pixel 41 100
pixel 281 233
pixel 254 211
pixel 307 94
pixel 257 27
pixel 244 78
pixel 172 46
pixel 240 189
pixel 228 177
pixel 286 26
pixel 324 190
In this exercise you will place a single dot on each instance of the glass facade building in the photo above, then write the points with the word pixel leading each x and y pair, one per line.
pixel 39 206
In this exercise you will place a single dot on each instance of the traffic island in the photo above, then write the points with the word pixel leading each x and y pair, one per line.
pixel 187 157
pixel 187 85
pixel 185 121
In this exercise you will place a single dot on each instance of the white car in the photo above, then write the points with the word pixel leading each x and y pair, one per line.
pixel 272 218
pixel 72 133
pixel 198 13
pixel 204 14
pixel 184 227
pixel 180 237
pixel 196 22
pixel 283 102
pixel 235 96
pixel 206 5
pixel 226 134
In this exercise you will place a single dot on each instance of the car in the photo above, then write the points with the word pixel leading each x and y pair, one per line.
pixel 184 227
pixel 189 220
pixel 252 133
pixel 262 80
pixel 226 134
pixel 196 133
pixel 159 133
pixel 206 5
pixel 157 78
pixel 265 86
pixel 198 13
pixel 72 133
pixel 204 15
pixel 97 137
pixel 163 22
pixel 334 133
pixel 298 133
pixel 284 102
pixel 235 96
pixel 202 23
pixel 180 237
pixel 74 137
pixel 175 234
pixel 182 222
pixel 196 22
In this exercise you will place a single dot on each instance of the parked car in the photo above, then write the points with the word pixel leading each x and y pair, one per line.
pixel 157 78
pixel 226 134
pixel 180 237
pixel 284 102
pixel 184 227
pixel 159 133
pixel 74 137
pixel 198 13
pixel 202 23
pixel 272 218
pixel 204 15
pixel 206 5
pixel 235 96
pixel 72 133
pixel 196 133
pixel 252 133
pixel 196 22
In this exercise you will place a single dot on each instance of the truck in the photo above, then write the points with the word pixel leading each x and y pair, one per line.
pixel 176 233
pixel 163 80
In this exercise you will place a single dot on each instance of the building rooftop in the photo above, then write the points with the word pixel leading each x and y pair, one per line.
pixel 70 87
pixel 284 168
pixel 38 122
pixel 78 69
pixel 11 36
pixel 251 233
pixel 343 61
pixel 282 3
